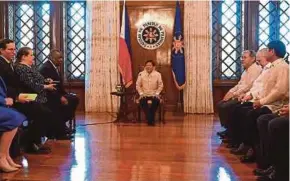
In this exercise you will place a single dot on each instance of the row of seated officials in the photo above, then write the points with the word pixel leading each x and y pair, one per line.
pixel 255 113
pixel 46 114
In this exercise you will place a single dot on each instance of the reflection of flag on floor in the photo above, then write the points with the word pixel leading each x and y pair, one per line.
pixel 124 63
pixel 177 54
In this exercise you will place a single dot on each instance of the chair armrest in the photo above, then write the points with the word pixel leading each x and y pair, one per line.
pixel 162 96
pixel 136 98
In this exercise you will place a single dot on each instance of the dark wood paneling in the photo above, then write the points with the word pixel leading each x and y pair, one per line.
pixel 251 25
pixel 151 4
pixel 163 12
pixel 3 19
pixel 56 29
pixel 56 20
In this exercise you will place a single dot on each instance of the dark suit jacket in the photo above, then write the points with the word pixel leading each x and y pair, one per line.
pixel 48 71
pixel 10 78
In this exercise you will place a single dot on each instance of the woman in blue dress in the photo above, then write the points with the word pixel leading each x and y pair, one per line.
pixel 10 120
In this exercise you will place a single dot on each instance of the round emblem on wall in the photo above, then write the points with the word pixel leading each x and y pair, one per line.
pixel 151 35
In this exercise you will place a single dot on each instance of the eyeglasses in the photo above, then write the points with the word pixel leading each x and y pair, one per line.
pixel 11 49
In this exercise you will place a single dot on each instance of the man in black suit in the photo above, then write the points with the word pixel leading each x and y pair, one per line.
pixel 67 102
pixel 32 110
pixel 7 53
pixel 274 149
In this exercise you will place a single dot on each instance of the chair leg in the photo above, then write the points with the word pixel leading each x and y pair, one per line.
pixel 163 116
pixel 160 113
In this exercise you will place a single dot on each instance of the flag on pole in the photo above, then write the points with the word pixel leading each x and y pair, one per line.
pixel 124 63
pixel 177 53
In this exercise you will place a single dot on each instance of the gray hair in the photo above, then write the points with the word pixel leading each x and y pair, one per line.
pixel 263 51
pixel 252 53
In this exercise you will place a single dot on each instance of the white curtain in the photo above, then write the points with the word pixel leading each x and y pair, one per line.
pixel 198 96
pixel 102 54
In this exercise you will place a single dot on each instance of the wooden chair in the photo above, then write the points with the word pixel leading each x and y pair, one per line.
pixel 160 110
pixel 161 107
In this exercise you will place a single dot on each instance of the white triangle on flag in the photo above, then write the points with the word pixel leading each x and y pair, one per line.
pixel 122 33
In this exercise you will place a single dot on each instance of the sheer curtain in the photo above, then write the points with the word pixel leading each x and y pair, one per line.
pixel 102 54
pixel 198 96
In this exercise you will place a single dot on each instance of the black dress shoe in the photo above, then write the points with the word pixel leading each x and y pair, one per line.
pixel 232 145
pixel 270 177
pixel 224 137
pixel 241 150
pixel 263 172
pixel 248 159
pixel 222 133
pixel 226 140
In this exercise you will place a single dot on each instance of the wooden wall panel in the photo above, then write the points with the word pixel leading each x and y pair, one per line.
pixel 163 13
pixel 3 19
pixel 138 11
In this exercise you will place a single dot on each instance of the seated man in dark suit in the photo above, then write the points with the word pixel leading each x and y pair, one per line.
pixel 31 110
pixel 60 98
pixel 274 149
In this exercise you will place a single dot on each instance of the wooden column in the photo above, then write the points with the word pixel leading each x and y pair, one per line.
pixel 251 25
pixel 56 28
pixel 3 19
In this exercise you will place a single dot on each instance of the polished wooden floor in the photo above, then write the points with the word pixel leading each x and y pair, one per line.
pixel 184 149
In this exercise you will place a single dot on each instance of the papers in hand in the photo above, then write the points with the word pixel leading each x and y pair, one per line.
pixel 31 97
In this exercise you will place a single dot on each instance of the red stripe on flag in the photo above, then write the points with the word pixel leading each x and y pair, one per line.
pixel 124 64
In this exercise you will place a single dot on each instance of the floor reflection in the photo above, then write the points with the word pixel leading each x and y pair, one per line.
pixel 25 166
pixel 184 149
pixel 24 162
pixel 80 168
pixel 223 175
pixel 221 171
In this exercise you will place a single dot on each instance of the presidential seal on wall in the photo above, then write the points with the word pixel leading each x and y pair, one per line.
pixel 151 35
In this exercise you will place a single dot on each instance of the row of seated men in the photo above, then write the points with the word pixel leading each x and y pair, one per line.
pixel 48 112
pixel 255 113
